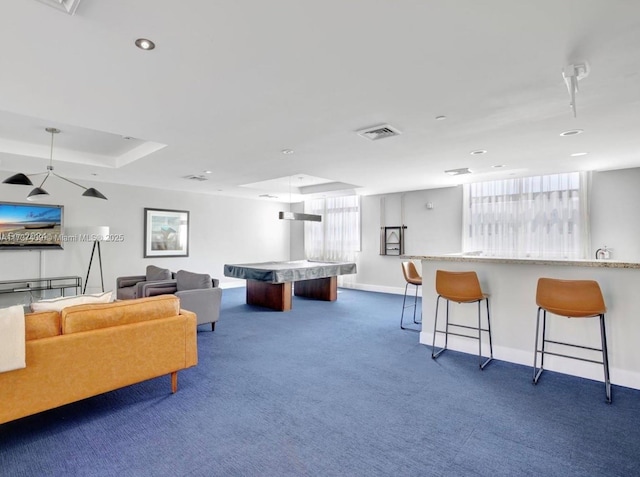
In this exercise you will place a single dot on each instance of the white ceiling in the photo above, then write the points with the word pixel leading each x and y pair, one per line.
pixel 231 85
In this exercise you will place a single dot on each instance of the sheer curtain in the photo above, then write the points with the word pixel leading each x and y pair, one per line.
pixel 538 217
pixel 337 237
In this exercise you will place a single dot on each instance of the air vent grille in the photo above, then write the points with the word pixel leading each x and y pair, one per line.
pixel 198 178
pixel 458 172
pixel 379 132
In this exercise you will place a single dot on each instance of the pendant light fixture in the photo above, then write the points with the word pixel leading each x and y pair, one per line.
pixel 39 193
pixel 295 215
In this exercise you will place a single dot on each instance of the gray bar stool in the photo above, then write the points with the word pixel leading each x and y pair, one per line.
pixel 573 299
pixel 461 287
pixel 412 277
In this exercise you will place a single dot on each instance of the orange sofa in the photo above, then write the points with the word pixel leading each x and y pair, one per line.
pixel 87 350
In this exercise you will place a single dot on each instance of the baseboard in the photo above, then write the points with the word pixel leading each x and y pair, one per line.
pixel 380 289
pixel 571 367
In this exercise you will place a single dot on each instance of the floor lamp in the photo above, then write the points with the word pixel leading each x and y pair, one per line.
pixel 97 234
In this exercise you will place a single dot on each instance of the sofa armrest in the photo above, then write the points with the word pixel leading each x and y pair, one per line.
pixel 129 281
pixel 205 303
pixel 157 287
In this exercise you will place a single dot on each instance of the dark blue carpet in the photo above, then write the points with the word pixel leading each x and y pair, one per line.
pixel 332 389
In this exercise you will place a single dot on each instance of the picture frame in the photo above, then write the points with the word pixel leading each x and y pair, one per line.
pixel 166 233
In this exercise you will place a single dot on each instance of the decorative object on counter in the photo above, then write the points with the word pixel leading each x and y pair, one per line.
pixel 603 253
pixel 412 277
pixel 39 193
pixel 166 233
pixel 461 287
pixel 98 233
pixel 573 299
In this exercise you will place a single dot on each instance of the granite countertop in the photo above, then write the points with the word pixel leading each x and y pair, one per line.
pixel 458 257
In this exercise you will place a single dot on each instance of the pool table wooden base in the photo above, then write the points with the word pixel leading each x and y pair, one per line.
pixel 277 296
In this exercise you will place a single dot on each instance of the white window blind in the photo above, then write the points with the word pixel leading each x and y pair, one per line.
pixel 538 217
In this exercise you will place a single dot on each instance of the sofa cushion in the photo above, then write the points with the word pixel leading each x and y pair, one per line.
pixel 57 304
pixel 42 324
pixel 192 281
pixel 80 318
pixel 156 273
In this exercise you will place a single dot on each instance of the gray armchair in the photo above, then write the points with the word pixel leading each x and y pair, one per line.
pixel 156 281
pixel 199 293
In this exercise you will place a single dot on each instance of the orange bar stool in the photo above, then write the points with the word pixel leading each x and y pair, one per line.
pixel 573 299
pixel 412 277
pixel 461 287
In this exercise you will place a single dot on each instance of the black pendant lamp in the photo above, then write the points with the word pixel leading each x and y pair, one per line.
pixel 39 193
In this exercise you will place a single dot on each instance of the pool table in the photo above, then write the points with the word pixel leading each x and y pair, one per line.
pixel 269 283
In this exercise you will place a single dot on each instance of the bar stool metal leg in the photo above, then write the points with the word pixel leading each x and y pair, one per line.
pixel 434 355
pixel 605 359
pixel 536 372
pixel 488 330
pixel 414 305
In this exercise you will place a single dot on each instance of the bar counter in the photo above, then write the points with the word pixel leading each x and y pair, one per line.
pixel 511 284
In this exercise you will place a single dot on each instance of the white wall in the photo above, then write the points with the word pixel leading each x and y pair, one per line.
pixel 230 230
pixel 615 222
pixel 615 213
pixel 429 231
pixel 222 230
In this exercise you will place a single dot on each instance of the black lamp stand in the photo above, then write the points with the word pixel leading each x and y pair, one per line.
pixel 96 243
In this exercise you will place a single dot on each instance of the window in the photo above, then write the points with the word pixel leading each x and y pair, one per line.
pixel 337 237
pixel 538 217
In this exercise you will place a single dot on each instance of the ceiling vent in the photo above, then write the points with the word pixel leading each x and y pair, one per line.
pixel 458 172
pixel 379 132
pixel 193 177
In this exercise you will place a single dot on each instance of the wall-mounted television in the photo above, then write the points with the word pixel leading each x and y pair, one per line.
pixel 31 226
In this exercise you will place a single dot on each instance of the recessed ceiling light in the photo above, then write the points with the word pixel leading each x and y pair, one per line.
pixel 145 44
pixel 287 151
pixel 440 118
pixel 572 132
pixel 208 172
pixel 477 152
pixel 576 154
pixel 127 138
pixel 498 166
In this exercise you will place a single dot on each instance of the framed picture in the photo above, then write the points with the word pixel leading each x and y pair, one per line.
pixel 166 233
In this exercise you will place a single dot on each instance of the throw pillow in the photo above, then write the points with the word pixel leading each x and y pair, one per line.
pixel 57 304
pixel 156 273
pixel 192 281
